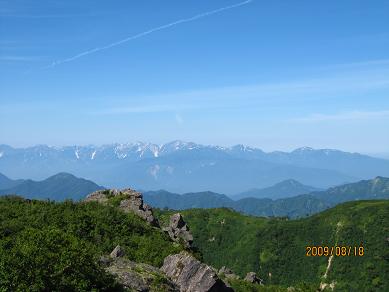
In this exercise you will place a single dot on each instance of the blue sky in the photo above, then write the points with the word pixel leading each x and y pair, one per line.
pixel 272 74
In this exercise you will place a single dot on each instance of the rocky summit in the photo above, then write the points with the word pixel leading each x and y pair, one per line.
pixel 130 201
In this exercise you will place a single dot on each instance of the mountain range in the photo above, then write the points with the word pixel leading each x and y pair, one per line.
pixel 284 189
pixel 293 207
pixel 189 167
pixel 64 186
pixel 58 187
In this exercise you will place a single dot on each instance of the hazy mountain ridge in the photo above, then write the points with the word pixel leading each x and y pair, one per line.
pixel 6 182
pixel 58 187
pixel 293 207
pixel 284 189
pixel 189 167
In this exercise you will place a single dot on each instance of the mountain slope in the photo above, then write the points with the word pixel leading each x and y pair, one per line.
pixel 377 188
pixel 273 246
pixel 58 187
pixel 189 167
pixel 284 189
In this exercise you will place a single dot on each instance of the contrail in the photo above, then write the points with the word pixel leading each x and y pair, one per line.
pixel 147 32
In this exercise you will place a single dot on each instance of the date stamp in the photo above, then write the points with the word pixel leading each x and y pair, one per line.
pixel 339 251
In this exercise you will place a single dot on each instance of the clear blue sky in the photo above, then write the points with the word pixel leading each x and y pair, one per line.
pixel 271 74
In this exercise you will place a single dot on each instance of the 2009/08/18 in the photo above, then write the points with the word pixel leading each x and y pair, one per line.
pixel 318 251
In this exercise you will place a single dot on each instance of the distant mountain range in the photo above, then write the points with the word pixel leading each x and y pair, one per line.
pixel 66 186
pixel 284 189
pixel 6 183
pixel 183 167
pixel 293 207
pixel 58 187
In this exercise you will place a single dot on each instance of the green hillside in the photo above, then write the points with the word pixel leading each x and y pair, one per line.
pixel 277 247
pixel 47 246
pixel 59 187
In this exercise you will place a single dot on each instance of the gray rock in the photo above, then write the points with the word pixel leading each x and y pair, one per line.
pixel 178 230
pixel 191 275
pixel 228 273
pixel 253 278
pixel 105 261
pixel 131 201
pixel 117 252
pixel 140 277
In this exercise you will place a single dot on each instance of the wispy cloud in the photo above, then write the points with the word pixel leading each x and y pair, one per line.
pixel 356 115
pixel 21 58
pixel 302 92
pixel 140 109
pixel 147 32
pixel 179 119
pixel 362 64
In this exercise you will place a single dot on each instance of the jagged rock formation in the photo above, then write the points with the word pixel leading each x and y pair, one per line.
pixel 253 278
pixel 139 277
pixel 227 273
pixel 191 275
pixel 130 201
pixel 178 230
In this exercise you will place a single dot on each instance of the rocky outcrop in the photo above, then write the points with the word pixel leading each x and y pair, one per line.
pixel 136 276
pixel 130 201
pixel 117 252
pixel 190 275
pixel 253 278
pixel 178 230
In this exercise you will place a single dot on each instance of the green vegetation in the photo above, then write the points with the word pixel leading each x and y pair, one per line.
pixel 276 248
pixel 56 246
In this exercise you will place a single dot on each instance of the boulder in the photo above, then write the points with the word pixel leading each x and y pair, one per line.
pixel 117 252
pixel 253 278
pixel 178 230
pixel 140 277
pixel 130 201
pixel 190 275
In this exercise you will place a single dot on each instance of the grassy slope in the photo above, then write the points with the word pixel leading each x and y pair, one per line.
pixel 277 246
